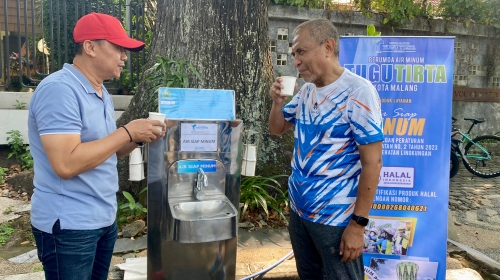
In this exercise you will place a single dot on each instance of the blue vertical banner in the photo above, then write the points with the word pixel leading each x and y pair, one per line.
pixel 407 234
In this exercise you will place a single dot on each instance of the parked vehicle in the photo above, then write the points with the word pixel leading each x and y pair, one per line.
pixel 454 161
pixel 481 155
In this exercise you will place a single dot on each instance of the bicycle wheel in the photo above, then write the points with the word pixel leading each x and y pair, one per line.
pixel 483 156
pixel 454 164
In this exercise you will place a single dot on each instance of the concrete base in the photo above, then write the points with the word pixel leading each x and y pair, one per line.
pixel 30 276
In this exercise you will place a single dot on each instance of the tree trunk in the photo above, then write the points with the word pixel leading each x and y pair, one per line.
pixel 227 42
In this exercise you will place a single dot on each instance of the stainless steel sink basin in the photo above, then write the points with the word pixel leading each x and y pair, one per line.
pixel 212 219
pixel 203 210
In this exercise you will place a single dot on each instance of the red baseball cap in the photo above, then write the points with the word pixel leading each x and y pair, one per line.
pixel 96 26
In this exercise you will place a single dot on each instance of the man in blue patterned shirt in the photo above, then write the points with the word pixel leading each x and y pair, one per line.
pixel 337 155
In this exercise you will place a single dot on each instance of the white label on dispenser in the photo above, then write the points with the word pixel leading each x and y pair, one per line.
pixel 199 137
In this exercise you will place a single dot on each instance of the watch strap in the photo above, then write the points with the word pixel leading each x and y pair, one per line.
pixel 360 220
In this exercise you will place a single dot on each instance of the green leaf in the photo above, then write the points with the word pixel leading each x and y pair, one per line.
pixel 259 199
pixel 171 73
pixel 194 71
pixel 370 30
pixel 143 190
pixel 130 199
pixel 126 205
pixel 254 193
pixel 245 207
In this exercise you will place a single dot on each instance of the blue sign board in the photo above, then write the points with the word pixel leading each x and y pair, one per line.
pixel 192 166
pixel 196 104
pixel 407 232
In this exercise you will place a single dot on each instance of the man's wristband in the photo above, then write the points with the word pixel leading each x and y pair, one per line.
pixel 129 135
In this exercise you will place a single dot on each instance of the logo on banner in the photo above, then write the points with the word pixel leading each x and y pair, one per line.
pixel 166 93
pixel 396 177
pixel 197 127
pixel 398 47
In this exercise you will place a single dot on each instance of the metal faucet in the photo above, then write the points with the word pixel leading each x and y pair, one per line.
pixel 200 182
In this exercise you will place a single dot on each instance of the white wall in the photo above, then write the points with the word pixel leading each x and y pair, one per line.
pixel 15 119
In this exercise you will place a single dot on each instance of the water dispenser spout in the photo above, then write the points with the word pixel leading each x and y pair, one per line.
pixel 200 182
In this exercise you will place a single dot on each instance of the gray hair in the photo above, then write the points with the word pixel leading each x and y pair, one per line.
pixel 320 30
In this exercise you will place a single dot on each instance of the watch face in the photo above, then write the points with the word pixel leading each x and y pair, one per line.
pixel 362 221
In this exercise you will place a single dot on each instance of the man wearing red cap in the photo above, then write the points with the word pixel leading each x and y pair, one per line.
pixel 75 145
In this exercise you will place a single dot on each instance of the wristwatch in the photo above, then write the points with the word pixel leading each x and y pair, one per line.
pixel 362 221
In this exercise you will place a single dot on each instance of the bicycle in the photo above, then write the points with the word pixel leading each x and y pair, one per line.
pixel 481 155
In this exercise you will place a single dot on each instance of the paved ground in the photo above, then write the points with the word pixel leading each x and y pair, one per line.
pixel 475 205
pixel 262 248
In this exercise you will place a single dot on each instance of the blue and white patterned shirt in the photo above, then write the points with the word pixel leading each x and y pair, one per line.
pixel 329 124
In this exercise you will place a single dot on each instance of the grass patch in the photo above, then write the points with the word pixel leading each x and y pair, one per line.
pixel 6 231
pixel 8 210
pixel 38 268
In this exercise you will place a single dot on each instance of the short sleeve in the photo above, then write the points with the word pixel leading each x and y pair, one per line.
pixel 365 115
pixel 290 109
pixel 56 109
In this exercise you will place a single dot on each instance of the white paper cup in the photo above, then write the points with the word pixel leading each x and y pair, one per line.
pixel 157 117
pixel 245 151
pixel 250 152
pixel 135 156
pixel 136 172
pixel 289 85
pixel 248 167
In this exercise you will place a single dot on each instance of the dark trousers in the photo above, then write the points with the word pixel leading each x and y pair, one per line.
pixel 76 254
pixel 316 249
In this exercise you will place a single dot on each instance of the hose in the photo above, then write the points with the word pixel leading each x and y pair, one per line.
pixel 261 273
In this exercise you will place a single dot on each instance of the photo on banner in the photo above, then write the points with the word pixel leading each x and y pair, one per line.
pixel 389 269
pixel 409 215
pixel 389 235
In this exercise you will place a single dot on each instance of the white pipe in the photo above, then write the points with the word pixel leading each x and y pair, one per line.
pixel 136 172
pixel 249 161
pixel 136 165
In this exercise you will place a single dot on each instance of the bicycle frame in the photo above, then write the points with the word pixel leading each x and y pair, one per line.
pixel 482 162
pixel 465 138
